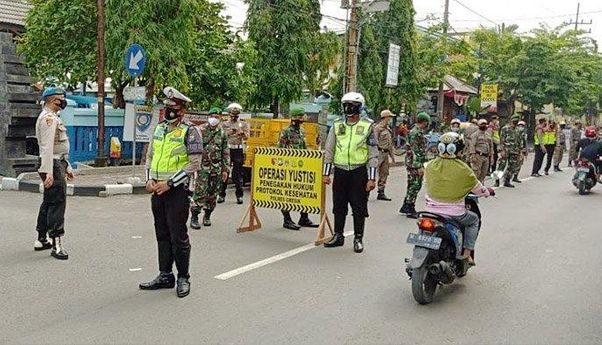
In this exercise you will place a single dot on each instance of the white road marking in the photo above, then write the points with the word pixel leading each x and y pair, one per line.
pixel 270 260
pixel 136 237
pixel 135 269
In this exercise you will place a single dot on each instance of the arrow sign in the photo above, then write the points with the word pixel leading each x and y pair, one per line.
pixel 135 60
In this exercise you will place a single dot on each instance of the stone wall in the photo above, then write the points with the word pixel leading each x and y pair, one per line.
pixel 18 110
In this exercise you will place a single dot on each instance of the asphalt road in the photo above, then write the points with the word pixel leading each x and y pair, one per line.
pixel 537 279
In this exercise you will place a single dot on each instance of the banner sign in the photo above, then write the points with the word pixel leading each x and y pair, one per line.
pixel 489 97
pixel 288 179
pixel 393 66
pixel 145 119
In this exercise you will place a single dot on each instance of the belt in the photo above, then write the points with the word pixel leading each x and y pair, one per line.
pixel 61 157
pixel 383 150
pixel 235 146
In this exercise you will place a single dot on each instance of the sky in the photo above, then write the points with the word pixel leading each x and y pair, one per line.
pixel 466 15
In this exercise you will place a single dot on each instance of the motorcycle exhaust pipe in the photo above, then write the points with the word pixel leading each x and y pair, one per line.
pixel 435 269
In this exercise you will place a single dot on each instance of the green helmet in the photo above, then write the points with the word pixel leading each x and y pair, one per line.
pixel 515 117
pixel 297 112
pixel 423 117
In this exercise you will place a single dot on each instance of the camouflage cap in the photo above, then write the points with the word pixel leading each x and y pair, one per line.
pixel 297 112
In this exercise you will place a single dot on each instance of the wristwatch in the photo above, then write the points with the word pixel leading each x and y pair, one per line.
pixel 170 183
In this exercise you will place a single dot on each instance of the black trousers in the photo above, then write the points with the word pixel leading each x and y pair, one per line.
pixel 538 161
pixel 349 188
pixel 495 158
pixel 550 154
pixel 237 159
pixel 51 217
pixel 170 211
pixel 287 215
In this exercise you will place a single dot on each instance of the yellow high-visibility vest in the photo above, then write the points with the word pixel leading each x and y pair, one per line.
pixel 549 137
pixel 169 151
pixel 352 142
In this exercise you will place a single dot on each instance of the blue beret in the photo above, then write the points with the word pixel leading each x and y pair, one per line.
pixel 51 91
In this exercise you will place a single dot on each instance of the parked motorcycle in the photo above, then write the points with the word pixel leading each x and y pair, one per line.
pixel 585 177
pixel 437 246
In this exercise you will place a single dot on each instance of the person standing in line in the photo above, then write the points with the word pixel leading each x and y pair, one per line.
pixel 560 147
pixel 538 147
pixel 480 151
pixel 351 149
pixel 54 171
pixel 510 150
pixel 550 141
pixel 575 137
pixel 171 161
pixel 494 131
pixel 238 131
pixel 523 149
pixel 384 136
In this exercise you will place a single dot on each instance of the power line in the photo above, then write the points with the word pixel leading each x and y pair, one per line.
pixel 475 12
pixel 530 18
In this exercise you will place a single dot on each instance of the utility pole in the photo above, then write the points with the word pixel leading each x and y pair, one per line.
pixel 577 22
pixel 101 159
pixel 440 95
pixel 352 44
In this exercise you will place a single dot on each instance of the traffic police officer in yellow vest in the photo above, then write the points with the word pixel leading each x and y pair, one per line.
pixel 54 150
pixel 172 158
pixel 352 149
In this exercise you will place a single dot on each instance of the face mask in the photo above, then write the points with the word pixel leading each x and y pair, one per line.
pixel 521 127
pixel 350 109
pixel 171 115
pixel 213 121
pixel 297 123
pixel 515 123
pixel 483 128
pixel 62 103
pixel 455 128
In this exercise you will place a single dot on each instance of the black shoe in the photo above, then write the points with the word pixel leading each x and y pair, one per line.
pixel 194 220
pixel 405 208
pixel 515 179
pixel 58 252
pixel 557 169
pixel 547 173
pixel 307 223
pixel 358 246
pixel 337 241
pixel 382 196
pixel 508 184
pixel 497 183
pixel 41 245
pixel 207 218
pixel 239 200
pixel 221 199
pixel 289 224
pixel 163 281
pixel 412 212
pixel 535 175
pixel 183 288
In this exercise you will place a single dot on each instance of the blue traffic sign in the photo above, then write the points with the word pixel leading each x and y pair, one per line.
pixel 135 60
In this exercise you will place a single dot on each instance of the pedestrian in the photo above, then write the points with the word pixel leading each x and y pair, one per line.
pixel 510 150
pixel 237 131
pixel 550 140
pixel 384 137
pixel 54 171
pixel 523 149
pixel 352 149
pixel 414 162
pixel 455 125
pixel 538 147
pixel 560 147
pixel 214 169
pixel 293 137
pixel 574 137
pixel 172 158
pixel 494 131
pixel 480 151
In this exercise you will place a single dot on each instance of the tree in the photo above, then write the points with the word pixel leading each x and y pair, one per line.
pixel 324 56
pixel 283 32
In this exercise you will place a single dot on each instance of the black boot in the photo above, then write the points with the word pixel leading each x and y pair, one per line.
pixel 381 196
pixel 405 208
pixel 194 220
pixel 339 226
pixel 515 179
pixel 221 199
pixel 359 223
pixel 165 280
pixel 239 200
pixel 42 244
pixel 508 184
pixel 412 211
pixel 58 251
pixel 288 221
pixel 557 169
pixel 497 183
pixel 207 217
pixel 305 222
pixel 183 288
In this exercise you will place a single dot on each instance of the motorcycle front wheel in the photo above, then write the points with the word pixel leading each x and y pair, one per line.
pixel 423 285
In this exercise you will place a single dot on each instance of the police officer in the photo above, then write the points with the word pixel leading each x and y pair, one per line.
pixel 215 166
pixel 237 132
pixel 480 151
pixel 414 161
pixel 560 147
pixel 293 137
pixel 384 137
pixel 351 148
pixel 172 158
pixel 54 171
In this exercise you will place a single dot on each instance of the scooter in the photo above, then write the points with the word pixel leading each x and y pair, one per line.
pixel 438 246
pixel 585 177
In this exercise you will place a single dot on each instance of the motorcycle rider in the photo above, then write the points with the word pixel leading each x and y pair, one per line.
pixel 590 148
pixel 448 181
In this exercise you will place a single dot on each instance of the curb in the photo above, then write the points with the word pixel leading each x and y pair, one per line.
pixel 73 190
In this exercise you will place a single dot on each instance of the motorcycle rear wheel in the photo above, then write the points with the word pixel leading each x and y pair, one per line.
pixel 581 187
pixel 423 285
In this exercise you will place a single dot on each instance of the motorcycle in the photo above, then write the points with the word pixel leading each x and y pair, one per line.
pixel 437 247
pixel 585 177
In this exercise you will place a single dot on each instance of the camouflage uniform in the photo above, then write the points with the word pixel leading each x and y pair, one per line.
pixel 575 137
pixel 215 161
pixel 414 160
pixel 523 150
pixel 510 143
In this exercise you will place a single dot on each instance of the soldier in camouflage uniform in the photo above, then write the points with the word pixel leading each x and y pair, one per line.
pixel 510 150
pixel 414 161
pixel 293 137
pixel 214 169
pixel 523 148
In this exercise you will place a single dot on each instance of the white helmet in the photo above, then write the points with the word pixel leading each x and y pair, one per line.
pixel 234 106
pixel 353 97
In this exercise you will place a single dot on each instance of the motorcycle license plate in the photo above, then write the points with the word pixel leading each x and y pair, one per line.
pixel 430 242
pixel 583 170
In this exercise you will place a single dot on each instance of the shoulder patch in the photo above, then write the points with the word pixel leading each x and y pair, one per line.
pixel 49 121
